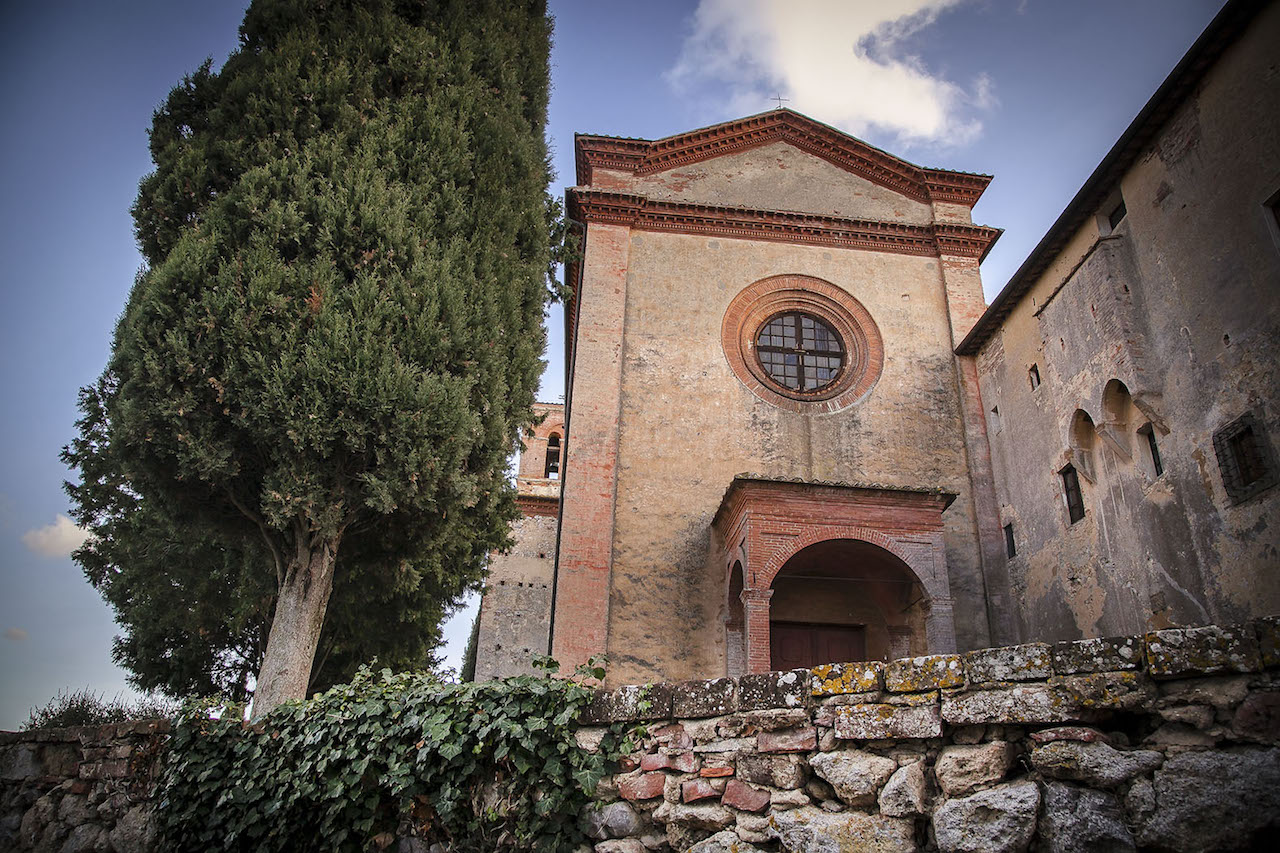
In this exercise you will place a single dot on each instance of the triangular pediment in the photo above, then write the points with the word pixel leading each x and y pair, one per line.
pixel 642 157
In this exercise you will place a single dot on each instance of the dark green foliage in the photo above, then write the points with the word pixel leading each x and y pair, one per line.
pixel 86 708
pixel 480 767
pixel 334 343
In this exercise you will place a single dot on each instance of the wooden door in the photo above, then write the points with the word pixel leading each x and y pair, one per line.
pixel 799 645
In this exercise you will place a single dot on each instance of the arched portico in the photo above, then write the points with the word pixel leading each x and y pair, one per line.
pixel 854 570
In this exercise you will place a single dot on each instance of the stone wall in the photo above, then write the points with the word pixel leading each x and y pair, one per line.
pixel 1162 742
pixel 80 789
pixel 1170 741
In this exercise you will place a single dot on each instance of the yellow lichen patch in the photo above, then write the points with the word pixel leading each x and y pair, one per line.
pixel 914 675
pixel 837 679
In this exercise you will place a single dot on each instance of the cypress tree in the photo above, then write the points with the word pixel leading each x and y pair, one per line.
pixel 335 340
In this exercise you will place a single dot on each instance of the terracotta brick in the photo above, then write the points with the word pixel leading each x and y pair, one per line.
pixel 740 795
pixel 715 772
pixel 646 786
pixel 684 762
pixel 794 740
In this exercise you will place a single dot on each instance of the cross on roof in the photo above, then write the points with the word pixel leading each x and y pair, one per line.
pixel 779 99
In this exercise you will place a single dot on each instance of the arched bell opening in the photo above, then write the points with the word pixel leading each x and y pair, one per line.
pixel 845 600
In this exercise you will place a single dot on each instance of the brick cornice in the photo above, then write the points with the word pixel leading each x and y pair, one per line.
pixel 643 156
pixel 538 505
pixel 646 214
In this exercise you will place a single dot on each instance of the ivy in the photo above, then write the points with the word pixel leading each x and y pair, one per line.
pixel 492 766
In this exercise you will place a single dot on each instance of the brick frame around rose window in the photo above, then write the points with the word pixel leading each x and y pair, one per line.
pixel 766 298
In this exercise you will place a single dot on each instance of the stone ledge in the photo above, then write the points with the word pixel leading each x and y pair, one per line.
pixel 1062 682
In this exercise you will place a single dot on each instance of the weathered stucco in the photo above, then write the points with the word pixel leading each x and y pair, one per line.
pixel 687 425
pixel 779 176
pixel 1181 304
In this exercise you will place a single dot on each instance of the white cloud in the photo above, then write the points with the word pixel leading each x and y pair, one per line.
pixel 841 61
pixel 15 634
pixel 55 540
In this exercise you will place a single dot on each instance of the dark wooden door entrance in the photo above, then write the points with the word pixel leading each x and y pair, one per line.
pixel 797 645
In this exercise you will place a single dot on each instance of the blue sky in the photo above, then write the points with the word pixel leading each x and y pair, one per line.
pixel 1032 91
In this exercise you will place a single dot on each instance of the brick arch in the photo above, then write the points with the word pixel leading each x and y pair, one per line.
pixel 923 575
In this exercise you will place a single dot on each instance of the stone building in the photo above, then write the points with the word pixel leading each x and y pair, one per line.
pixel 799 435
pixel 1129 368
pixel 515 612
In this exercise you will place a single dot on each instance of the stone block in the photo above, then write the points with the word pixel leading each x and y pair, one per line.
pixel 875 722
pixel 1201 651
pixel 643 786
pixel 681 762
pixel 620 845
pixel 1104 654
pixel 727 747
pixel 1096 764
pixel 1075 820
pixel 999 820
pixel 906 792
pixel 702 816
pixel 714 698
pixel 631 703
pixel 913 675
pixel 759 691
pixel 856 776
pixel 812 829
pixel 1214 801
pixel 698 789
pixel 742 796
pixel 962 769
pixel 1258 717
pixel 1106 691
pixel 615 820
pixel 725 841
pixel 1027 662
pixel 793 740
pixel 779 771
pixel 770 720
pixel 1268 631
pixel 837 679
pixel 1014 703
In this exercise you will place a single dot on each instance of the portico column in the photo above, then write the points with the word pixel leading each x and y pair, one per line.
pixel 755 604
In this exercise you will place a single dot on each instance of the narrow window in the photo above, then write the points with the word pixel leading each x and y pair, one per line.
pixel 1148 432
pixel 1010 549
pixel 1034 375
pixel 995 418
pixel 1116 215
pixel 1071 489
pixel 1244 457
pixel 552 471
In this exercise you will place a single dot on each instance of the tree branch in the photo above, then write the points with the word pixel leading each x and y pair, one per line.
pixel 266 535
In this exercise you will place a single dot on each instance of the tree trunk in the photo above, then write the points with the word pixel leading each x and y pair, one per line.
pixel 295 630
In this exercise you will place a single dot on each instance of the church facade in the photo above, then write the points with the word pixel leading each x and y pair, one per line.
pixel 794 433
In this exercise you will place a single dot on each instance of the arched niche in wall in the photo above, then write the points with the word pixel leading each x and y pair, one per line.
pixel 1083 438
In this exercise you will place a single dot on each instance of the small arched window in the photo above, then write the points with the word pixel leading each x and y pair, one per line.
pixel 552 471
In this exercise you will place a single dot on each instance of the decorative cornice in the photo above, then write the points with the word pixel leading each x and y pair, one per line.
pixel 538 505
pixel 969 241
pixel 645 214
pixel 644 157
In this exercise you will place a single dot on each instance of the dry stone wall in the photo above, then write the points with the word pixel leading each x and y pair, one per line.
pixel 1164 742
pixel 1167 742
pixel 81 789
